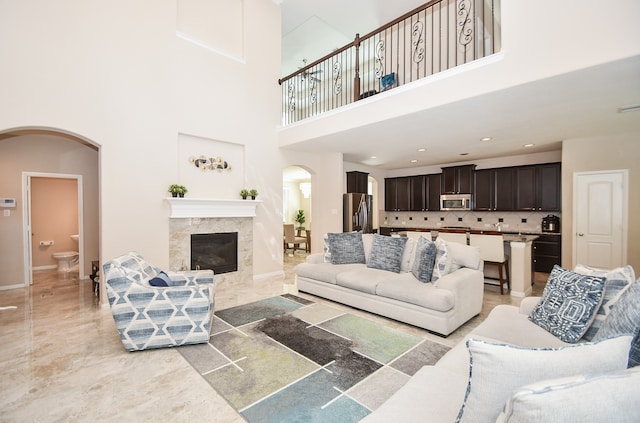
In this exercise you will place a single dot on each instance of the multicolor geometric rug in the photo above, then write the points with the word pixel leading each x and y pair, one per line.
pixel 287 359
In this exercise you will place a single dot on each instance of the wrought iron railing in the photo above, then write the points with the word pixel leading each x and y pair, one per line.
pixel 436 36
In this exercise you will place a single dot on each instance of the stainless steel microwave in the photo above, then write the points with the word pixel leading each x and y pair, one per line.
pixel 452 202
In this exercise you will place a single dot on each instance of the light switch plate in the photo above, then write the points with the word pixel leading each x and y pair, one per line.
pixel 7 213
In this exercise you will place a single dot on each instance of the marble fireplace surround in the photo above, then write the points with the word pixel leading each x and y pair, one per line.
pixel 200 216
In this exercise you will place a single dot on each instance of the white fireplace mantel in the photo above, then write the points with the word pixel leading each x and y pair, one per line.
pixel 207 207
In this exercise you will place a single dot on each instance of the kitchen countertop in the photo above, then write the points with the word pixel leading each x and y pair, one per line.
pixel 506 233
pixel 519 238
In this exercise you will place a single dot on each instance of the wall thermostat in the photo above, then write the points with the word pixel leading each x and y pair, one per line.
pixel 8 202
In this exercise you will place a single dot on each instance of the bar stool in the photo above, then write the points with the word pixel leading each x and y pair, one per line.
pixel 491 246
pixel 453 235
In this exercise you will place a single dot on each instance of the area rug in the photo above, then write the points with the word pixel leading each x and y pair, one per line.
pixel 287 359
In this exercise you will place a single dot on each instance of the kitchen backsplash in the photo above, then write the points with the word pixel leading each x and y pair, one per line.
pixel 508 221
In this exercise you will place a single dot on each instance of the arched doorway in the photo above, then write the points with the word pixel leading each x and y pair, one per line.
pixel 296 201
pixel 50 152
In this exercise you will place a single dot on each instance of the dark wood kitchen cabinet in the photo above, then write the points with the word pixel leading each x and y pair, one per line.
pixel 396 194
pixel 457 179
pixel 417 192
pixel 433 196
pixel 483 191
pixel 493 189
pixel 357 182
pixel 424 192
pixel 538 187
pixel 547 251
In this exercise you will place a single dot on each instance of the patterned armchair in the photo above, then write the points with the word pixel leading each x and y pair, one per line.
pixel 149 316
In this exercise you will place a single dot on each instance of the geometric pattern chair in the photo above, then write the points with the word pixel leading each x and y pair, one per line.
pixel 149 316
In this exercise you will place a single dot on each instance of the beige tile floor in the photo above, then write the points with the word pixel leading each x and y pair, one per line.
pixel 61 359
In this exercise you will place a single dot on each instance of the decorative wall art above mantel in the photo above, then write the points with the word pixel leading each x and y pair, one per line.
pixel 204 164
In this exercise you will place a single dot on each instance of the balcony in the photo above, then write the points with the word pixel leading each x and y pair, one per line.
pixel 437 36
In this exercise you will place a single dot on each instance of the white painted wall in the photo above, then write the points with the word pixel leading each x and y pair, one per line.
pixel 598 154
pixel 116 73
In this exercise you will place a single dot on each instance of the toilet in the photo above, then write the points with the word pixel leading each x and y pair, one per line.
pixel 66 260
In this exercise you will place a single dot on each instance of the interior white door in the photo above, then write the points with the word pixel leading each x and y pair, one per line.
pixel 599 211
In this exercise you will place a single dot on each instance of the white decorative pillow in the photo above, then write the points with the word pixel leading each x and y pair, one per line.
pixel 463 256
pixel 497 370
pixel 408 256
pixel 367 242
pixel 327 253
pixel 569 304
pixel 617 282
pixel 443 260
pixel 546 401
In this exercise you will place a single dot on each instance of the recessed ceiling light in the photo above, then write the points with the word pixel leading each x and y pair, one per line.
pixel 486 139
pixel 374 157
pixel 422 149
pixel 528 145
pixel 414 161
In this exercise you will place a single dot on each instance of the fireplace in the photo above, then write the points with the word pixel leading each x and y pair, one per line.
pixel 215 251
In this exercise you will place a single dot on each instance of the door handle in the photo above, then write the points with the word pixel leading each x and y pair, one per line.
pixel 580 234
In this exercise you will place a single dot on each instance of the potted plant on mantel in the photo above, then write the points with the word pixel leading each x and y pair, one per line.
pixel 244 193
pixel 253 193
pixel 177 190
pixel 300 219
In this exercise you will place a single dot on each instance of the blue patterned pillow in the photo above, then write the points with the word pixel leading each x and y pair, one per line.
pixel 569 304
pixel 634 352
pixel 386 252
pixel 624 319
pixel 618 281
pixel 425 260
pixel 161 279
pixel 346 247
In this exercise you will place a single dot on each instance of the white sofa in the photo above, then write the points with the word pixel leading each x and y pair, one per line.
pixel 440 307
pixel 599 394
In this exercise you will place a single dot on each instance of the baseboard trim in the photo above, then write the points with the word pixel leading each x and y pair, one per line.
pixel 8 287
pixel 47 267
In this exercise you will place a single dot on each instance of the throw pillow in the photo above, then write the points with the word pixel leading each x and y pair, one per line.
pixel 624 319
pixel 408 255
pixel 617 281
pixel 345 247
pixel 547 401
pixel 425 260
pixel 443 260
pixel 497 370
pixel 569 304
pixel 634 352
pixel 386 252
pixel 161 279
pixel 367 241
pixel 463 256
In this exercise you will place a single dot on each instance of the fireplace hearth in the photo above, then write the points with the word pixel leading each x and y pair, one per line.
pixel 215 251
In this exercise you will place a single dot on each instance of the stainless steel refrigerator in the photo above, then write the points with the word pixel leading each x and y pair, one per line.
pixel 358 213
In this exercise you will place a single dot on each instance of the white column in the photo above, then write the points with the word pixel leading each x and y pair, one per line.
pixel 520 268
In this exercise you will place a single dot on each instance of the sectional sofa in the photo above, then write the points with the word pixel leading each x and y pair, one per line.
pixel 380 274
pixel 518 366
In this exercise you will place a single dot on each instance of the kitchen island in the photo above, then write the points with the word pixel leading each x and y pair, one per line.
pixel 518 248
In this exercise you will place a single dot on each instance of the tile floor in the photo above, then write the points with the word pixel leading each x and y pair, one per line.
pixel 61 359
